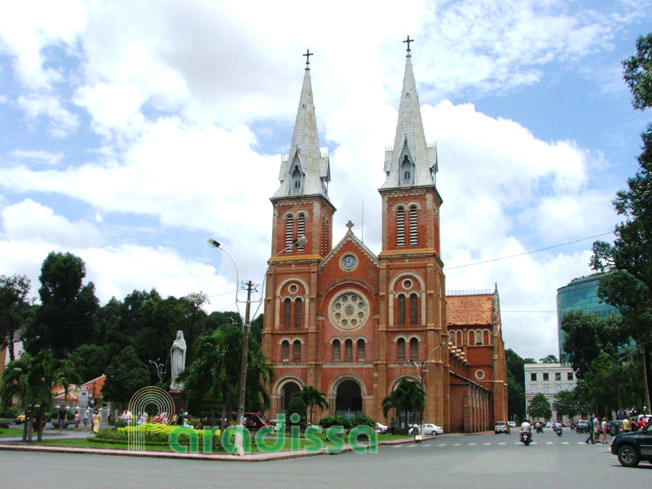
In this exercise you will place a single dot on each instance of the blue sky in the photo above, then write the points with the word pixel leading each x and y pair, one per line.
pixel 131 133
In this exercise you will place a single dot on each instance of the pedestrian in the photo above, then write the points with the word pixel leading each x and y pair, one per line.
pixel 77 419
pixel 62 418
pixel 590 438
pixel 625 425
pixel 604 430
pixel 96 422
pixel 87 417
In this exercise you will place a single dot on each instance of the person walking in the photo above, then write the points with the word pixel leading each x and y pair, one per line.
pixel 62 418
pixel 604 431
pixel 591 429
pixel 596 429
pixel 77 419
pixel 96 422
pixel 625 425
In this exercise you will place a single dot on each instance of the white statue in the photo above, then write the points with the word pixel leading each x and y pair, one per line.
pixel 177 360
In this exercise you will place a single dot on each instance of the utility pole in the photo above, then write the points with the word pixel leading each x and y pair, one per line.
pixel 245 352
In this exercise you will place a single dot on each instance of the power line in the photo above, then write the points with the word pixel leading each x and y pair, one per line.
pixel 527 252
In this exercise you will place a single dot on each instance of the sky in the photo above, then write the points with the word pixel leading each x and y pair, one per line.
pixel 131 132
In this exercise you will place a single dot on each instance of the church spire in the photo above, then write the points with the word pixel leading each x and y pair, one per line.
pixel 305 172
pixel 410 162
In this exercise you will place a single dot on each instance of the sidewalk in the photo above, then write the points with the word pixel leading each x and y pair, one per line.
pixel 16 444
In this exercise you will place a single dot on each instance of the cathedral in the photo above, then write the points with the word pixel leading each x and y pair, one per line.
pixel 351 323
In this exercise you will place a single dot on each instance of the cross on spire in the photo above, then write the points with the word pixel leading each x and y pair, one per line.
pixel 408 41
pixel 307 55
pixel 350 225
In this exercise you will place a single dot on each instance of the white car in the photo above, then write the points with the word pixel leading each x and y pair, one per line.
pixel 381 428
pixel 512 424
pixel 431 429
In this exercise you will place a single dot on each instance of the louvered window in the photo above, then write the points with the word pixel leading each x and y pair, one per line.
pixel 348 351
pixel 297 351
pixel 285 351
pixel 289 233
pixel 324 236
pixel 414 228
pixel 361 346
pixel 400 226
pixel 301 228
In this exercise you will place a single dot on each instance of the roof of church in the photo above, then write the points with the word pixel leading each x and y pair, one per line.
pixel 305 147
pixel 410 135
pixel 469 309
pixel 350 236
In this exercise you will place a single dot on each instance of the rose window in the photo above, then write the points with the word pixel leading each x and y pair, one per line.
pixel 349 310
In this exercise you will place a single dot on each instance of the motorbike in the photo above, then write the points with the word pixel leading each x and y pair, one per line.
pixel 539 428
pixel 558 431
pixel 526 437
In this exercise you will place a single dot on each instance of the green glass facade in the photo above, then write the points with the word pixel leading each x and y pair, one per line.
pixel 579 295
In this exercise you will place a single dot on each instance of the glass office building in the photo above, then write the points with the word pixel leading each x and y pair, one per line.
pixel 581 294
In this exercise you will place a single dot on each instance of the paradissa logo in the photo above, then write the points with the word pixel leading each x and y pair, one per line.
pixel 270 439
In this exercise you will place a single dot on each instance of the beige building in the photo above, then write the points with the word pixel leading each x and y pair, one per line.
pixel 548 379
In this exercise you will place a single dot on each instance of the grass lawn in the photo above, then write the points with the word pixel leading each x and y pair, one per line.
pixel 11 432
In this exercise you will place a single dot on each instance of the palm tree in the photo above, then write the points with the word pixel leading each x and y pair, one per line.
pixel 313 397
pixel 408 396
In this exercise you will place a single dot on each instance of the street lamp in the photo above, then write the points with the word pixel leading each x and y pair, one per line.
pixel 420 371
pixel 246 325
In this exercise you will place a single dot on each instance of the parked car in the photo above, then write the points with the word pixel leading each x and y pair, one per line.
pixel 502 427
pixel 381 428
pixel 431 429
pixel 633 447
pixel 512 424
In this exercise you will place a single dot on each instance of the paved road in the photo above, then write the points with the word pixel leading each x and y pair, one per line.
pixel 450 461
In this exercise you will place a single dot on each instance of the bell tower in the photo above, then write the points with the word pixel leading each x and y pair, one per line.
pixel 411 272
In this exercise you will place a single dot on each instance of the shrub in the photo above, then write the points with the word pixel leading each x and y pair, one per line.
pixel 335 420
pixel 363 420
pixel 296 405
pixel 8 412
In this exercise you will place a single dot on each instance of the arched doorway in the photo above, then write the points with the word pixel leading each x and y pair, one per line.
pixel 348 400
pixel 287 390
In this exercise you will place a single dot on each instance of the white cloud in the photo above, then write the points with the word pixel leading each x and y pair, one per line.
pixel 31 221
pixel 62 122
pixel 38 156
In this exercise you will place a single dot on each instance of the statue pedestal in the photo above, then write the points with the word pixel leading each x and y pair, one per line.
pixel 178 402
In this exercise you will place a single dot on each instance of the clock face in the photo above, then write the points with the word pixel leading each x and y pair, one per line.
pixel 349 262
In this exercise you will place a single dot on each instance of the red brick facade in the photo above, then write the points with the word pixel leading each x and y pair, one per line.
pixel 352 324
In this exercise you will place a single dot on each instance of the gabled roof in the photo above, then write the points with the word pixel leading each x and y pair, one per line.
pixel 349 236
pixel 470 310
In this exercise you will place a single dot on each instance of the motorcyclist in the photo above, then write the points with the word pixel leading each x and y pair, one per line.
pixel 526 427
pixel 558 428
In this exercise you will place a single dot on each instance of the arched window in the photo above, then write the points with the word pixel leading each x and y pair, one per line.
pixel 401 310
pixel 298 312
pixel 400 226
pixel 296 357
pixel 301 228
pixel 471 338
pixel 414 226
pixel 348 351
pixel 287 313
pixel 297 176
pixel 478 337
pixel 460 338
pixel 414 309
pixel 400 349
pixel 414 349
pixel 406 171
pixel 285 351
pixel 289 233
pixel 486 338
pixel 361 346
pixel 336 350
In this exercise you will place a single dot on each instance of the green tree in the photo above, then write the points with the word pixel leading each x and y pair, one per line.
pixel 204 377
pixel 313 397
pixel 65 318
pixel 565 404
pixel 14 309
pixel 296 405
pixel 630 290
pixel 408 396
pixel 540 407
pixel 124 376
pixel 90 361
pixel 515 384
pixel 549 359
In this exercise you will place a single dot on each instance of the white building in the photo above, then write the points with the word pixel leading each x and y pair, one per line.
pixel 548 379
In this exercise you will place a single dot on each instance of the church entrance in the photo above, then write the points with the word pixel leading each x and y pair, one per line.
pixel 348 401
pixel 288 389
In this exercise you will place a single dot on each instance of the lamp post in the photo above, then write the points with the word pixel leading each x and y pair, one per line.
pixel 246 326
pixel 422 378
